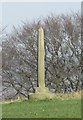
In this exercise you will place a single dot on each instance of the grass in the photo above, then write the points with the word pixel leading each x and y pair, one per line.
pixel 0 111
pixel 55 108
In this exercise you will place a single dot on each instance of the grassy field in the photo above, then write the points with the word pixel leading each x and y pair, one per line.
pixel 55 108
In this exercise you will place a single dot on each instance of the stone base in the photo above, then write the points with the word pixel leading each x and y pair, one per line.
pixel 42 93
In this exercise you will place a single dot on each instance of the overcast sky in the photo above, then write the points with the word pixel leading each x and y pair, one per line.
pixel 15 13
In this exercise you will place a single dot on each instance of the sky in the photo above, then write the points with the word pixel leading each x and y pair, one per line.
pixel 14 13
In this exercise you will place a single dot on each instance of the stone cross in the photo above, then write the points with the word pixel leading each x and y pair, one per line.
pixel 41 59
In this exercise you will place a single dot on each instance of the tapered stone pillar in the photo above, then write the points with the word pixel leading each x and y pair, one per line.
pixel 41 57
pixel 41 92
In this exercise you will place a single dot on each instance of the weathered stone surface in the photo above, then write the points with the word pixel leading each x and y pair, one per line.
pixel 41 92
pixel 41 57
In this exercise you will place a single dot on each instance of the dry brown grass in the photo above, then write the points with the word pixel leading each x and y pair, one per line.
pixel 73 95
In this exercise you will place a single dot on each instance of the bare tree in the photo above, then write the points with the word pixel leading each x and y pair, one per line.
pixel 63 51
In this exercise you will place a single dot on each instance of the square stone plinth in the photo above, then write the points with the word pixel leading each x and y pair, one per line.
pixel 42 93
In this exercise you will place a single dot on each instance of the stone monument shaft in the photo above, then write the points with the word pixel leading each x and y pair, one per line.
pixel 41 59
pixel 41 91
